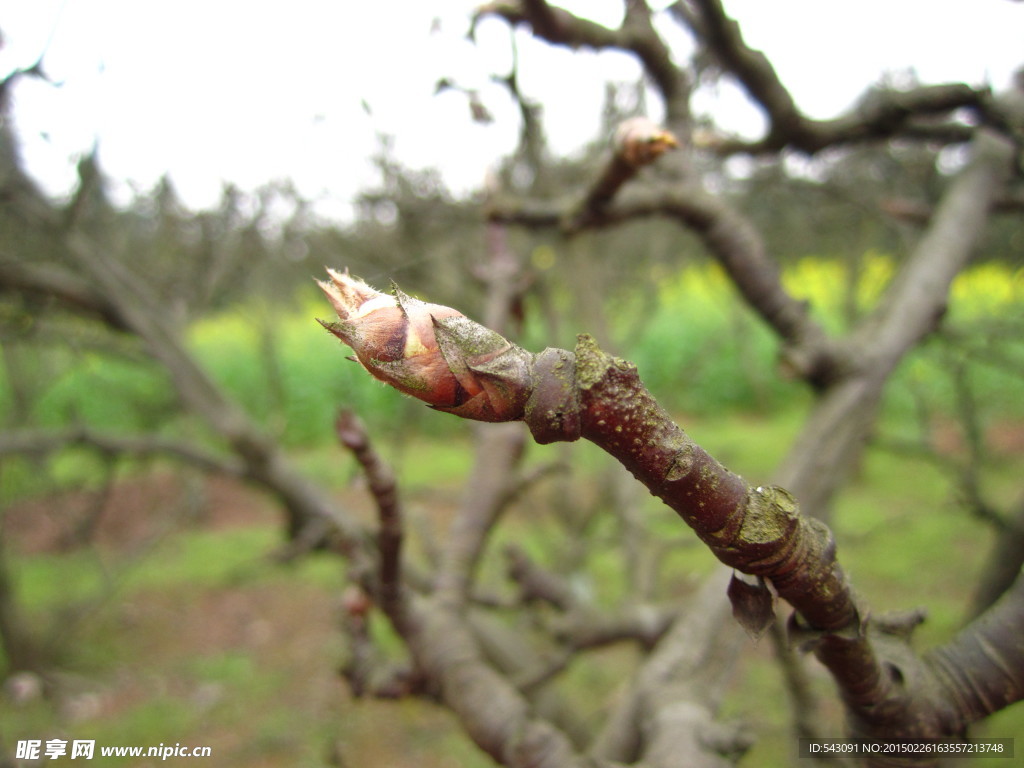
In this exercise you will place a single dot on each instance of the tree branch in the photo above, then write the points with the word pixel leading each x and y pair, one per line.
pixel 638 142
pixel 496 716
pixel 536 583
pixel 312 514
pixel 912 307
pixel 983 667
pixel 636 35
pixel 551 23
pixel 1004 562
pixel 670 709
pixel 49 282
pixel 916 300
pixel 563 396
pixel 756 74
pixel 882 114
pixel 734 242
pixel 390 531
pixel 757 530
pixel 47 441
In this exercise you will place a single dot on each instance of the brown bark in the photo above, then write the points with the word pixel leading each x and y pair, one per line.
pixel 982 668
pixel 1004 563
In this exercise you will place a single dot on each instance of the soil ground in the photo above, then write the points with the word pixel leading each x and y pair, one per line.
pixel 248 668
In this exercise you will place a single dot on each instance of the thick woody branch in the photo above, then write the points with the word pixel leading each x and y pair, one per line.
pixel 1004 561
pixel 496 715
pixel 563 396
pixel 755 530
pixel 983 666
pixel 912 308
pixel 759 530
pixel 53 283
pixel 636 35
pixel 881 115
pixel 551 23
pixel 673 82
pixel 532 670
pixel 894 114
pixel 753 69
pixel 916 301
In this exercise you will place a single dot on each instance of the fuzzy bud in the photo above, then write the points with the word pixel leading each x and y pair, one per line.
pixel 640 141
pixel 429 351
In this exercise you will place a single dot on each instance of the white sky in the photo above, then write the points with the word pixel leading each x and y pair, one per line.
pixel 250 91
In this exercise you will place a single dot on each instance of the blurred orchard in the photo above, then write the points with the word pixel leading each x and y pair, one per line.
pixel 216 530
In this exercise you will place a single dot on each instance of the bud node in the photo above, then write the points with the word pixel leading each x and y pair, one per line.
pixel 553 408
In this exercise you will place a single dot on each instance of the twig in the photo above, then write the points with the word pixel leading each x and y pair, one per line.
pixel 638 142
pixel 390 532
pixel 536 583
pixel 39 441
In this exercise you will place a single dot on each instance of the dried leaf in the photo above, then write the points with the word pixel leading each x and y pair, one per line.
pixel 753 604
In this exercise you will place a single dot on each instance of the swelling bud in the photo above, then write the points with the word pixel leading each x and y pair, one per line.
pixel 429 351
